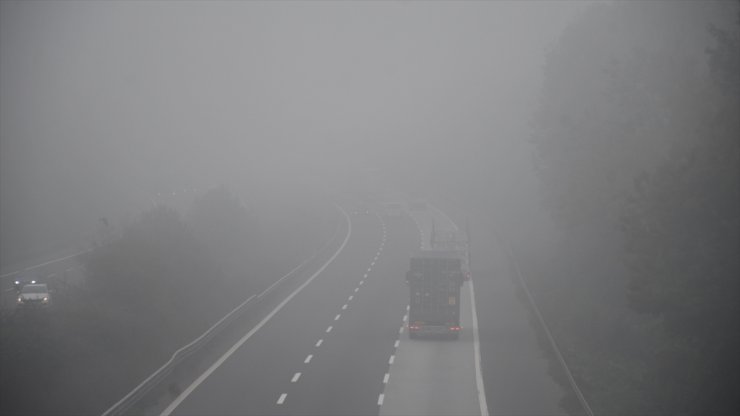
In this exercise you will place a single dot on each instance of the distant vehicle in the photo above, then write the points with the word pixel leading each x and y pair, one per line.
pixel 434 280
pixel 34 294
pixel 393 209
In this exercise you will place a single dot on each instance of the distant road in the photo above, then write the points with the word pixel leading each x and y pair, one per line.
pixel 339 347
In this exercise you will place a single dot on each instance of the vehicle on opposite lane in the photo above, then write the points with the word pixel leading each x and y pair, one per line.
pixel 34 295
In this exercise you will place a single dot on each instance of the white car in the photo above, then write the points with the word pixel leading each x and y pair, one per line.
pixel 34 294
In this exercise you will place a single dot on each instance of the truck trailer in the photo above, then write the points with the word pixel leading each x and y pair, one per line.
pixel 434 279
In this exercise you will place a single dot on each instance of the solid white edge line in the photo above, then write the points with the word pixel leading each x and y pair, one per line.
pixel 172 406
pixel 476 348
pixel 476 343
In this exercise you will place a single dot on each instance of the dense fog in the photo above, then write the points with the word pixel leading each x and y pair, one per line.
pixel 596 141
pixel 106 104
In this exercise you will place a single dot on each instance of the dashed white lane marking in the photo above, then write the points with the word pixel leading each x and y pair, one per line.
pixel 405 317
pixel 390 360
pixel 329 329
pixel 295 378
pixel 351 297
pixel 344 307
pixel 407 307
pixel 369 269
pixel 282 397
pixel 339 315
pixel 400 331
pixel 361 282
pixel 385 378
pixel 308 359
pixel 357 289
pixel 395 345
pixel 372 264
pixel 365 276
pixel 198 381
pixel 318 343
pixel 380 399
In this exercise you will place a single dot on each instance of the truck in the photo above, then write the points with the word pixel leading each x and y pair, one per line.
pixel 434 280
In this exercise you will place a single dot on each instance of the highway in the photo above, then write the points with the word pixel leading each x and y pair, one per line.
pixel 328 349
pixel 339 345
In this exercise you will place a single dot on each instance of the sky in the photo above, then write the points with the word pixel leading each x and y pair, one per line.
pixel 105 103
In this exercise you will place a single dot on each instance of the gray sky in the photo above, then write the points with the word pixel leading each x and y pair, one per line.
pixel 103 103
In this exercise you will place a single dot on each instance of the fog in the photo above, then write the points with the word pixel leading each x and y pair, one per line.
pixel 564 133
pixel 105 104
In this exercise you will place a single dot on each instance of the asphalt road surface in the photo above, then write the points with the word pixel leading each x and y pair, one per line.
pixel 328 349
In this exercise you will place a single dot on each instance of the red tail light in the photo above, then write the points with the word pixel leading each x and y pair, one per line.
pixel 454 328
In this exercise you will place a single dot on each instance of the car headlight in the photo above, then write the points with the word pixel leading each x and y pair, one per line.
pixel 45 299
pixel 20 300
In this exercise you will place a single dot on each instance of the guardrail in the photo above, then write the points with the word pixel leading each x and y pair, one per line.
pixel 155 378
